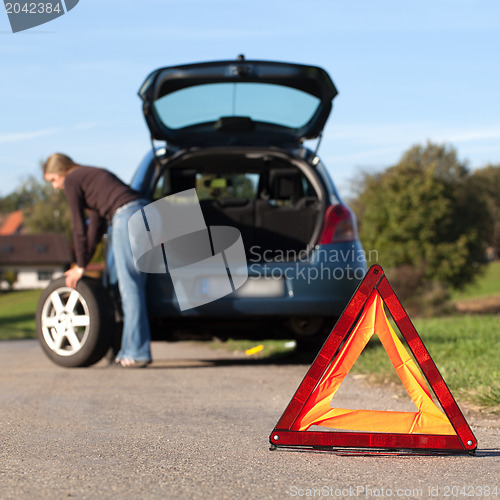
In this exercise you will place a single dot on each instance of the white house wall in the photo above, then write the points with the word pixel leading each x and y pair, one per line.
pixel 27 277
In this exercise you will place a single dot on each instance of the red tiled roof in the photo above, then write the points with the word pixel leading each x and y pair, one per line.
pixel 29 249
pixel 12 223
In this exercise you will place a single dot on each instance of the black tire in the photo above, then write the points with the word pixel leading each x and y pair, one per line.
pixel 314 343
pixel 75 327
pixel 310 345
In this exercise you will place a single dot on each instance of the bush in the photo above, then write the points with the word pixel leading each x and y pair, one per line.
pixel 427 222
pixel 419 296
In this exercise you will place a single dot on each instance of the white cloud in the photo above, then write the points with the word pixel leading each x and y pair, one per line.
pixel 484 134
pixel 25 136
pixel 405 134
pixel 6 138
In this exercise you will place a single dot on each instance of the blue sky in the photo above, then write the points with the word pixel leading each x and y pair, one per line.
pixel 407 72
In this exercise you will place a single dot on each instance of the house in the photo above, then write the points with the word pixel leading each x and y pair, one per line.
pixel 34 259
pixel 11 223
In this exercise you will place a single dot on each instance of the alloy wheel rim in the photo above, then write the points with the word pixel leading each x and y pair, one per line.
pixel 65 321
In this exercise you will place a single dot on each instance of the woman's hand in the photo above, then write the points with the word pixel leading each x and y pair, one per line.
pixel 73 275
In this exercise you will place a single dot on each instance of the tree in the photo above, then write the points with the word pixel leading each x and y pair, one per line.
pixel 10 203
pixel 44 209
pixel 47 210
pixel 487 182
pixel 423 214
pixel 10 276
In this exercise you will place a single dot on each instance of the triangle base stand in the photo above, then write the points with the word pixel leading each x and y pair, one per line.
pixel 358 443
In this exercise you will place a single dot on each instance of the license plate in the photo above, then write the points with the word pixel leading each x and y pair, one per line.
pixel 262 287
pixel 253 287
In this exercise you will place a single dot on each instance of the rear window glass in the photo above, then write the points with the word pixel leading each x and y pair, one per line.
pixel 213 186
pixel 262 102
pixel 209 186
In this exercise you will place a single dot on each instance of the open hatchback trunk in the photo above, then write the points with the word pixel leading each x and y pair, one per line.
pixel 275 200
pixel 237 103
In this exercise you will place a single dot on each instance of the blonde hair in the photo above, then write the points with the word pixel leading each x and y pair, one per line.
pixel 58 163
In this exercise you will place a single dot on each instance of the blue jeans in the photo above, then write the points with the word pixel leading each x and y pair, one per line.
pixel 136 335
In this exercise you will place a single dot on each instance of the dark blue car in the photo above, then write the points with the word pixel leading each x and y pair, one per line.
pixel 233 131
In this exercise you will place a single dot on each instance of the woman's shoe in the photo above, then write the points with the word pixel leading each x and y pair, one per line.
pixel 130 363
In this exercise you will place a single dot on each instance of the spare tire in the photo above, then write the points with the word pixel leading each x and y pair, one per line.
pixel 75 327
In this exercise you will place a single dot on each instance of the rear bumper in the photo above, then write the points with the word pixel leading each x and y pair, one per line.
pixel 319 284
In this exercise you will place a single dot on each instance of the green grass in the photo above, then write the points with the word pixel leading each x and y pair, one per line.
pixel 486 285
pixel 17 314
pixel 465 350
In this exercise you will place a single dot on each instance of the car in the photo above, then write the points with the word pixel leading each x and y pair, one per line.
pixel 235 132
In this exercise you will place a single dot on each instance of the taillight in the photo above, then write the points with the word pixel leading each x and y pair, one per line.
pixel 339 225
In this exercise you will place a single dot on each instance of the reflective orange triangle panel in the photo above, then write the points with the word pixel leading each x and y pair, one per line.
pixel 428 419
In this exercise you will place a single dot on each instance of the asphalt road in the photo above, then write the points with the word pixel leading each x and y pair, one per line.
pixel 195 425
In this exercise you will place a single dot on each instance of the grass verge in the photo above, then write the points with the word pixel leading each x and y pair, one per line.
pixel 17 314
pixel 486 285
pixel 464 348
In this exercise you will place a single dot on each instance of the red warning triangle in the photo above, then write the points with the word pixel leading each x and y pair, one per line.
pixel 427 430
